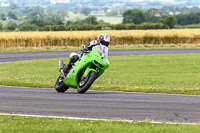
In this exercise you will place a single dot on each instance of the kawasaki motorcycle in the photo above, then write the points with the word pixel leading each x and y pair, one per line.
pixel 84 71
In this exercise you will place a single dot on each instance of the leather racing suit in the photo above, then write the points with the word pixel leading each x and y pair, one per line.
pixel 75 56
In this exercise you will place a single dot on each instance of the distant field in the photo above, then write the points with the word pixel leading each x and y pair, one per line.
pixel 178 74
pixel 72 16
pixel 110 19
pixel 144 38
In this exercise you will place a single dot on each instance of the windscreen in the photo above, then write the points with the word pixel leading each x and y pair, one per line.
pixel 103 51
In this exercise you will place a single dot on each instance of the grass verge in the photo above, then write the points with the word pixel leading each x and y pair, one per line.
pixel 115 47
pixel 19 124
pixel 175 74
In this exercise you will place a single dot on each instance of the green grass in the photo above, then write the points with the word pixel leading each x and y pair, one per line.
pixel 78 48
pixel 179 74
pixel 110 19
pixel 18 124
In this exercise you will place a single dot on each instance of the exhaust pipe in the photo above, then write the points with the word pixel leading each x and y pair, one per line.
pixel 61 64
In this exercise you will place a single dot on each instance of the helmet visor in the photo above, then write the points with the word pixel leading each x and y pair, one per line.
pixel 105 43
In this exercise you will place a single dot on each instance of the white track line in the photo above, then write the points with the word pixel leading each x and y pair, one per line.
pixel 4 62
pixel 95 119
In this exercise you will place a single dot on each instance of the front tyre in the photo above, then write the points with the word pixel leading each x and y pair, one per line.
pixel 85 83
pixel 60 86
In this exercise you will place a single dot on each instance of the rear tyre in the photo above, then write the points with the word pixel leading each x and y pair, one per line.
pixel 85 83
pixel 60 86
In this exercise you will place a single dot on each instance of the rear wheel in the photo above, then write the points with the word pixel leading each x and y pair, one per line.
pixel 60 86
pixel 85 83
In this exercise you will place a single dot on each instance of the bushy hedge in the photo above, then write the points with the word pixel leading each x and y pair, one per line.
pixel 193 26
pixel 103 27
pixel 27 27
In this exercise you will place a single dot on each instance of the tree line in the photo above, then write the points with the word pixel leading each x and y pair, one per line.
pixel 137 16
pixel 38 19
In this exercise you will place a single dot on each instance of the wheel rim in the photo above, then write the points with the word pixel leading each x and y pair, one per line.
pixel 83 81
pixel 60 81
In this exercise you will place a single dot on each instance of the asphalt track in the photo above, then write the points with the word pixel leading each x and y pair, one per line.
pixel 17 56
pixel 98 104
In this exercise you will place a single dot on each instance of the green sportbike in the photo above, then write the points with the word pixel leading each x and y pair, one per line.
pixel 84 71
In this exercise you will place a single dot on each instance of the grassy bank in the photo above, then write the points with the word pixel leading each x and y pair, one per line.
pixel 115 47
pixel 17 124
pixel 178 74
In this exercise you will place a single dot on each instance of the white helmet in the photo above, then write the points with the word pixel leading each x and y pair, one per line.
pixel 104 39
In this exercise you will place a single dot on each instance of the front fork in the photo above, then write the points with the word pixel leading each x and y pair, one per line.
pixel 88 70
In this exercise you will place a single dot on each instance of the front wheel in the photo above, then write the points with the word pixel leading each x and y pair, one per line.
pixel 60 86
pixel 85 83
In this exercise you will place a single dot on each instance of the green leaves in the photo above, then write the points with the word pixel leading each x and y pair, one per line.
pixel 168 20
pixel 135 16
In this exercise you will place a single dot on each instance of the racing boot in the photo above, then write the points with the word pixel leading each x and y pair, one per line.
pixel 72 60
pixel 67 68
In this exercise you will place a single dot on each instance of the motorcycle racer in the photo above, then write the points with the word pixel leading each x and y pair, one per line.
pixel 103 39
